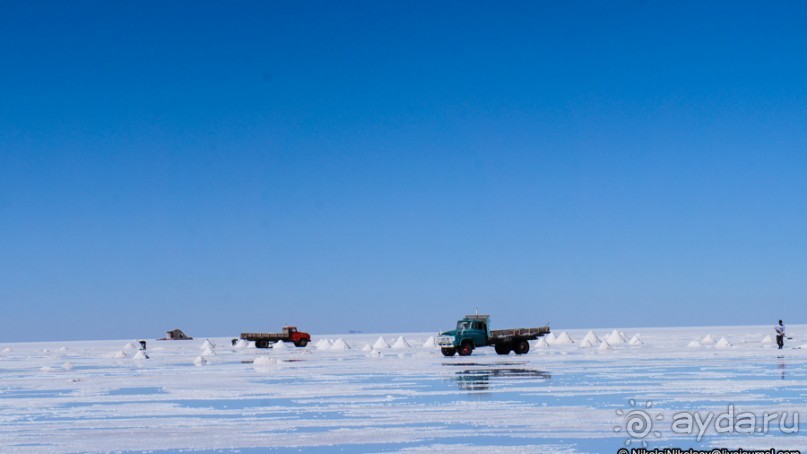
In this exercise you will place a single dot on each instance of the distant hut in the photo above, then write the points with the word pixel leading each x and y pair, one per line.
pixel 176 334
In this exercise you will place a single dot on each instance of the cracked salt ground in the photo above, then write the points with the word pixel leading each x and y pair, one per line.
pixel 558 398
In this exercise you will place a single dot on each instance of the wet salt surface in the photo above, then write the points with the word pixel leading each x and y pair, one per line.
pixel 557 399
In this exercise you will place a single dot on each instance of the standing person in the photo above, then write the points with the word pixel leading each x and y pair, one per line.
pixel 780 334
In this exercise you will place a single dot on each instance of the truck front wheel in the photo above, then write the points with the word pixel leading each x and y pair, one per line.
pixel 448 351
pixel 301 343
pixel 503 348
pixel 522 347
pixel 466 349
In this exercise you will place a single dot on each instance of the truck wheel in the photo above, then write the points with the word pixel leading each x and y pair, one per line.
pixel 301 343
pixel 503 348
pixel 448 351
pixel 522 347
pixel 262 343
pixel 466 349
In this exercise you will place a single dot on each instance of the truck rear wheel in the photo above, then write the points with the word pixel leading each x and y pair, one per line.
pixel 466 349
pixel 262 343
pixel 503 348
pixel 522 347
pixel 448 351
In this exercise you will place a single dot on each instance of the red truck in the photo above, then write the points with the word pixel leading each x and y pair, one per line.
pixel 289 334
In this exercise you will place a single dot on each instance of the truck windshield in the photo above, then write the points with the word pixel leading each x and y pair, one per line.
pixel 463 324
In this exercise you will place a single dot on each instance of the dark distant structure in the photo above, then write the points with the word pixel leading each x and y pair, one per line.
pixel 176 334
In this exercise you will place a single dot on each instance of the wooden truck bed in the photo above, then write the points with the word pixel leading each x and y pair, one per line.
pixel 270 336
pixel 525 333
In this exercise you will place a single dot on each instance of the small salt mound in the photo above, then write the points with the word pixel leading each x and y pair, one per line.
pixel 324 344
pixel 240 344
pixel 708 340
pixel 694 344
pixel 140 355
pixel 63 349
pixel 550 338
pixel 263 361
pixel 635 340
pixel 542 343
pixel 586 343
pixel 401 344
pixel 723 343
pixel 200 361
pixel 120 355
pixel 340 344
pixel 767 340
pixel 7 350
pixel 67 366
pixel 367 348
pixel 616 338
pixel 604 346
pixel 563 339
pixel 380 343
pixel 48 369
pixel 376 354
pixel 129 346
pixel 592 338
pixel 208 352
pixel 207 346
pixel 45 350
pixel 430 343
pixel 280 345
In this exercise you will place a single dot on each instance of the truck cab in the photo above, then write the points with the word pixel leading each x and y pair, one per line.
pixel 472 331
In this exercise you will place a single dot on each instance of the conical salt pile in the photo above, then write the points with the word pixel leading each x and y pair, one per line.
pixel 367 348
pixel 376 354
pixel 550 338
pixel 324 344
pixel 140 355
pixel 615 338
pixel 694 344
pixel 129 346
pixel 240 344
pixel 635 340
pixel 208 352
pixel 604 346
pixel 541 343
pixel 430 343
pixel 767 340
pixel 723 343
pixel 340 344
pixel 67 366
pixel 120 355
pixel 563 339
pixel 400 344
pixel 199 361
pixel 7 350
pixel 206 345
pixel 592 338
pixel 380 343
pixel 708 340
pixel 586 343
pixel 280 345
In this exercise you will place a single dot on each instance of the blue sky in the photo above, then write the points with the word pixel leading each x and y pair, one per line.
pixel 390 166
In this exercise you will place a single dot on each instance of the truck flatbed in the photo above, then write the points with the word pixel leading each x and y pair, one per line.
pixel 526 333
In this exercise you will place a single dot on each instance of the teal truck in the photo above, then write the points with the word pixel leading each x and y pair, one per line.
pixel 473 331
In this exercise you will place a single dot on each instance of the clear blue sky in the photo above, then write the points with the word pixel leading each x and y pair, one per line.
pixel 390 166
